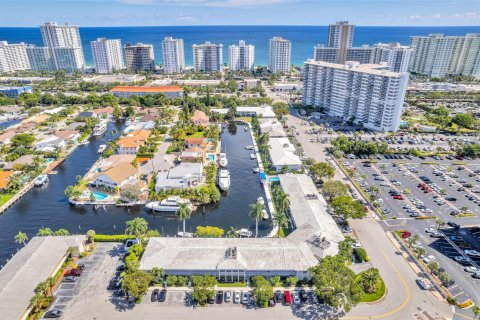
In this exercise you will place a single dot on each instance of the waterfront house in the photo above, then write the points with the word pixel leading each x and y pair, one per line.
pixel 105 112
pixel 203 143
pixel 23 127
pixel 68 135
pixel 264 111
pixel 273 128
pixel 149 117
pixel 50 143
pixel 116 176
pixel 282 155
pixel 193 155
pixel 6 137
pixel 37 119
pixel 25 160
pixel 13 111
pixel 200 118
pixel 86 115
pixel 185 175
pixel 5 178
pixel 53 111
pixel 130 143
pixel 75 126
pixel 115 160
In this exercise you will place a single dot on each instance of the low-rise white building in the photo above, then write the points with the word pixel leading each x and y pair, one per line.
pixel 117 176
pixel 273 128
pixel 260 112
pixel 282 155
pixel 185 175
pixel 50 143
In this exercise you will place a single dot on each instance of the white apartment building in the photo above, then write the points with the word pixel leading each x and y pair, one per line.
pixel 279 55
pixel 396 56
pixel 367 94
pixel 107 55
pixel 65 46
pixel 207 57
pixel 173 55
pixel 437 55
pixel 13 57
pixel 241 56
pixel 139 57
pixel 40 58
pixel 340 35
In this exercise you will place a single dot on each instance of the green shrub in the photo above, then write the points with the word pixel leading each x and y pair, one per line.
pixel 291 281
pixel 361 254
pixel 182 281
pixel 276 281
pixel 171 280
pixel 112 238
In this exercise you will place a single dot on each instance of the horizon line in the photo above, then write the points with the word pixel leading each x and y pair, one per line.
pixel 257 25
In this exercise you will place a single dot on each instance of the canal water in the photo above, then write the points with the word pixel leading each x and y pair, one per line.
pixel 48 206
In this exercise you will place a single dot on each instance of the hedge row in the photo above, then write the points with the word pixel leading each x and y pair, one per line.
pixel 112 238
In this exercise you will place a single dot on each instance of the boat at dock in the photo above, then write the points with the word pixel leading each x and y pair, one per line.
pixel 222 160
pixel 171 204
pixel 252 156
pixel 245 128
pixel 41 180
pixel 261 200
pixel 85 142
pixel 223 179
pixel 249 147
pixel 101 148
pixel 265 215
pixel 53 172
pixel 182 234
pixel 256 170
pixel 100 128
pixel 244 233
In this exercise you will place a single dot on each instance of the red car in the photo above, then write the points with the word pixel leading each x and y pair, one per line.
pixel 74 272
pixel 406 234
pixel 287 297
pixel 399 197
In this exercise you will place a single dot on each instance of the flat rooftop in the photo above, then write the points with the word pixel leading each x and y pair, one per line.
pixel 369 68
pixel 34 263
pixel 111 78
pixel 158 89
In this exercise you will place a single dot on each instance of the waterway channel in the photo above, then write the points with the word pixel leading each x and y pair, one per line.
pixel 48 206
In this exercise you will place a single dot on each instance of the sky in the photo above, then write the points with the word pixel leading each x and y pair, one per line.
pixel 29 13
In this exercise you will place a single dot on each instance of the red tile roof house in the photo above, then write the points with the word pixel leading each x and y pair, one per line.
pixel 200 118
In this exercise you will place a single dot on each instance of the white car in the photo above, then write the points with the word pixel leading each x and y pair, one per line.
pixel 356 244
pixel 245 297
pixel 430 230
pixel 236 296
pixel 228 296
pixel 295 298
pixel 472 253
pixel 471 270
pixel 428 259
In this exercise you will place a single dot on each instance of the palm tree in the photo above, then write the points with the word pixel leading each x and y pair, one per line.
pixel 62 232
pixel 283 202
pixel 281 220
pixel 42 288
pixel 50 282
pixel 36 301
pixel 91 236
pixel 15 182
pixel 232 233
pixel 439 223
pixel 137 227
pixel 44 232
pixel 21 238
pixel 256 214
pixel 183 213
pixel 371 280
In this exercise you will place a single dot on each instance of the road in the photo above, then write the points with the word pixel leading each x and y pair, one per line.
pixel 405 300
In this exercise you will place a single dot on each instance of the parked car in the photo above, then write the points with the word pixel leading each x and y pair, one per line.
pixel 220 297
pixel 278 296
pixel 424 283
pixel 74 272
pixel 236 296
pixel 53 314
pixel 271 302
pixel 406 234
pixel 154 296
pixel 453 225
pixel 69 279
pixel 303 295
pixel 228 296
pixel 162 296
pixel 471 270
pixel 287 299
pixel 245 297
pixel 295 297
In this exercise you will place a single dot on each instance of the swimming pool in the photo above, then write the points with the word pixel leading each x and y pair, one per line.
pixel 100 196
pixel 273 179
pixel 49 160
pixel 211 157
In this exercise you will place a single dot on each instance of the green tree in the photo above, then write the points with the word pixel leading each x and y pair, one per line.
pixel 21 238
pixel 334 188
pixel 153 233
pixel 322 170
pixel 256 214
pixel 203 288
pixel 291 281
pixel 262 290
pixel 476 312
pixel 91 236
pixel 183 213
pixel 62 232
pixel 276 281
pixel 464 120
pixel 346 207
pixel 281 220
pixel 136 283
pixel 22 140
pixel 157 274
pixel 36 301
pixel 444 278
pixel 209 232
pixel 137 227
pixel 370 280
pixel 43 232
pixel 130 193
pixel 232 233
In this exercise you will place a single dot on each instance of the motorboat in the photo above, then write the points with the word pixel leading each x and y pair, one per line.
pixel 261 200
pixel 85 142
pixel 245 128
pixel 100 128
pixel 182 234
pixel 265 215
pixel 53 172
pixel 171 204
pixel 223 161
pixel 244 233
pixel 249 147
pixel 41 180
pixel 223 179
pixel 101 148
pixel 252 156
pixel 256 170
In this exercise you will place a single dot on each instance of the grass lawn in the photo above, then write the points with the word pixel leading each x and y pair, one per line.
pixel 246 119
pixel 373 297
pixel 232 284
pixel 4 198
pixel 196 135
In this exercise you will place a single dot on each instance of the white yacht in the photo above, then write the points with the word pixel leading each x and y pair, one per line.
pixel 182 234
pixel 41 180
pixel 100 128
pixel 261 200
pixel 265 215
pixel 249 147
pixel 222 161
pixel 171 204
pixel 256 170
pixel 244 233
pixel 101 148
pixel 252 156
pixel 85 142
pixel 223 179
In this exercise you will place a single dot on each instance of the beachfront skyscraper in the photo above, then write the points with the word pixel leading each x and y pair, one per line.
pixel 241 56
pixel 173 55
pixel 340 35
pixel 437 55
pixel 13 57
pixel 139 57
pixel 367 94
pixel 279 55
pixel 107 55
pixel 207 57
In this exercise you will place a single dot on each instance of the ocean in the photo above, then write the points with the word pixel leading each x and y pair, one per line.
pixel 303 38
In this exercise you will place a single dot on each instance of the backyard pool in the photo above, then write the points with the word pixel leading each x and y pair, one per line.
pixel 274 179
pixel 100 196
pixel 211 157
pixel 49 160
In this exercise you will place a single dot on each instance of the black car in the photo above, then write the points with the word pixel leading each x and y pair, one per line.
pixel 162 296
pixel 271 302
pixel 211 299
pixel 69 279
pixel 121 267
pixel 278 296
pixel 53 314
pixel 154 296
pixel 220 296
pixel 453 225
pixel 453 199
pixel 303 295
